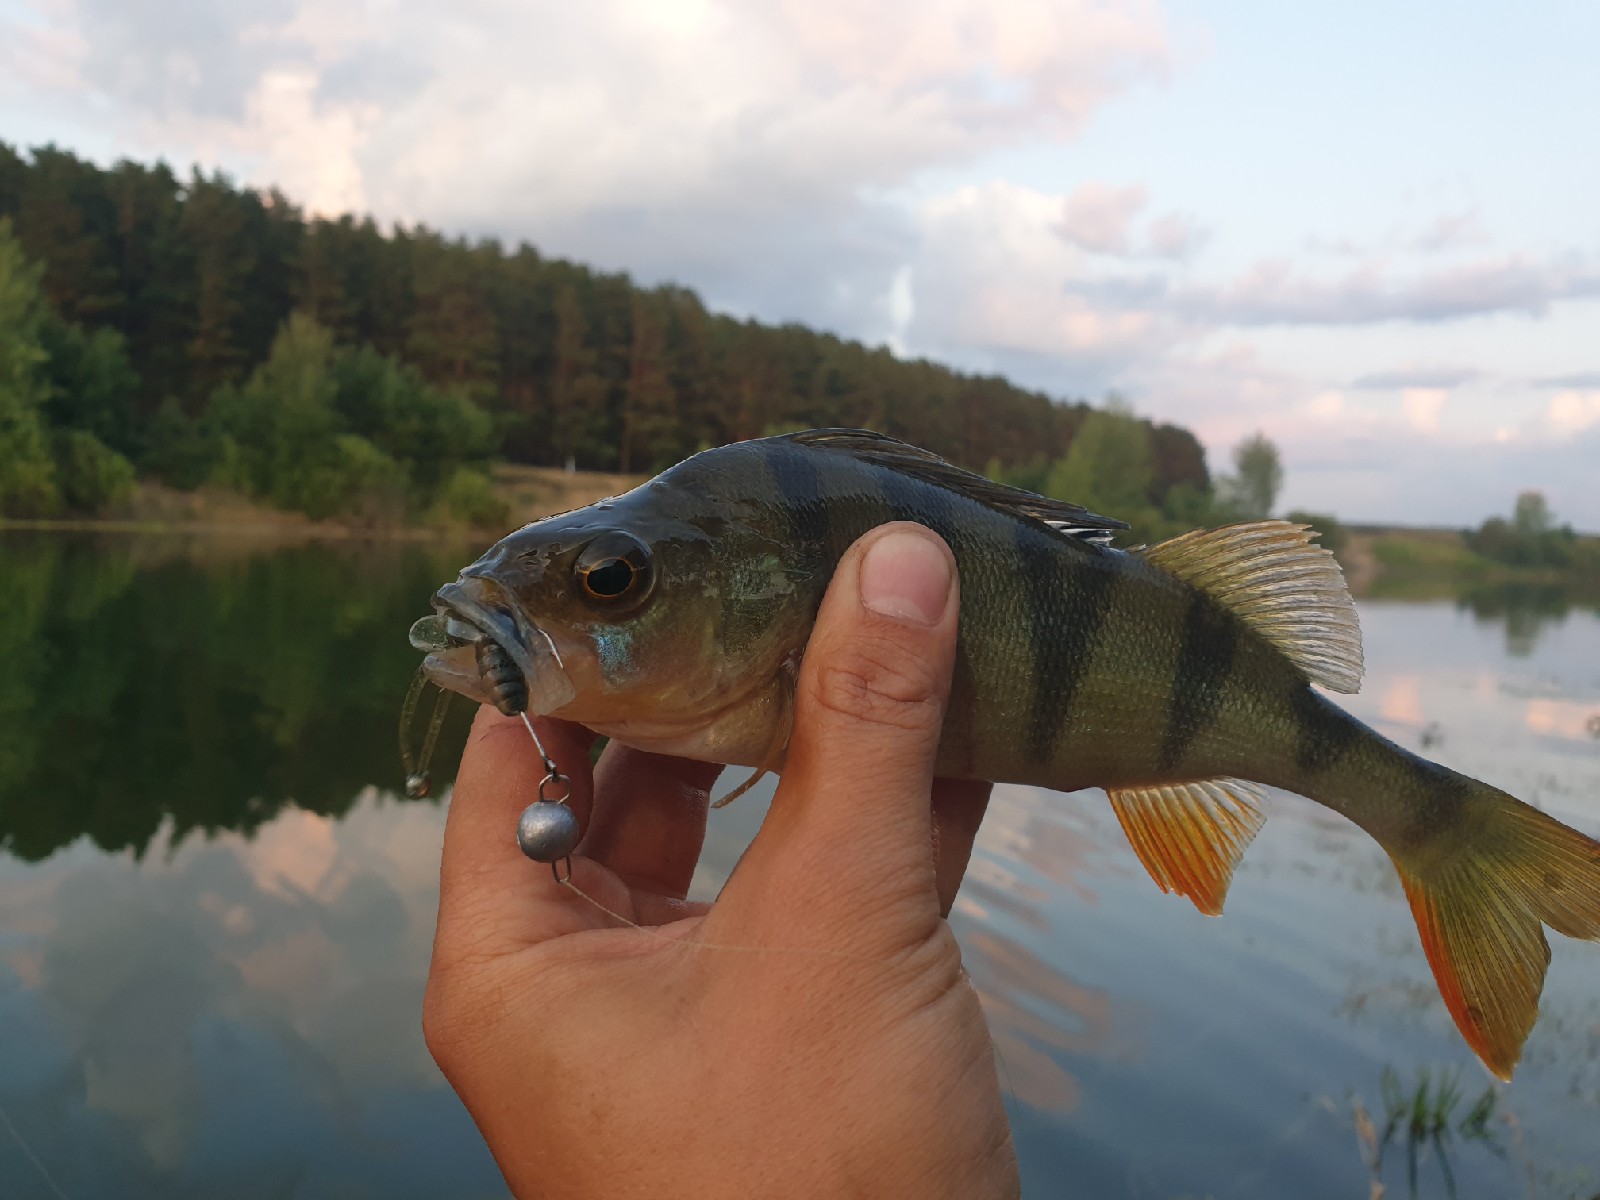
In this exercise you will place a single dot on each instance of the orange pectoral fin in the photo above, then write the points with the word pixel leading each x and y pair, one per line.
pixel 1190 836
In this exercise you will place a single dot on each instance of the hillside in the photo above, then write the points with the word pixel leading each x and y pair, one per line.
pixel 168 294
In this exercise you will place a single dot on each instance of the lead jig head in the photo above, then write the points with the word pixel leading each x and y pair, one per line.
pixel 548 830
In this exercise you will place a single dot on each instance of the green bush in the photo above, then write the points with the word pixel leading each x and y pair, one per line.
pixel 1409 552
pixel 352 478
pixel 90 474
pixel 27 474
pixel 1334 536
pixel 93 386
pixel 469 497
pixel 181 451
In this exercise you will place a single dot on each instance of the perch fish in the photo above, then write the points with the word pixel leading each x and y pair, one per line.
pixel 1177 677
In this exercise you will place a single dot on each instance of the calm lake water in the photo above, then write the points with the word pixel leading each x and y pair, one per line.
pixel 215 915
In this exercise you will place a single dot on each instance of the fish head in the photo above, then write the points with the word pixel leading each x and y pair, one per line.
pixel 649 617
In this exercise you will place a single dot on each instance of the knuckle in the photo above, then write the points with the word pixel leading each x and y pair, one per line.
pixel 878 682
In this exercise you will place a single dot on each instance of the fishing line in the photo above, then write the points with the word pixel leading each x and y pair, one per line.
pixel 702 945
pixel 547 832
pixel 31 1156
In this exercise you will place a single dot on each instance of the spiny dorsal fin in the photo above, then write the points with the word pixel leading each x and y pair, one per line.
pixel 884 451
pixel 1289 589
pixel 1190 836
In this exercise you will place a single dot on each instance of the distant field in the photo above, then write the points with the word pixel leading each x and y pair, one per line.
pixel 1401 561
pixel 528 493
pixel 533 492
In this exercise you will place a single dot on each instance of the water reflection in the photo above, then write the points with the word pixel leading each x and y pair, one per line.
pixel 152 681
pixel 236 1013
pixel 1521 610
pixel 1525 609
pixel 232 1016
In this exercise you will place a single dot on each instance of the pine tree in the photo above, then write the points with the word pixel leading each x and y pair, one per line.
pixel 577 393
pixel 65 223
pixel 452 338
pixel 650 427
pixel 155 266
pixel 27 473
pixel 215 225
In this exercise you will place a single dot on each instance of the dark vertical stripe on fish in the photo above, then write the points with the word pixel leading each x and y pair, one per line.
pixel 800 498
pixel 1446 809
pixel 1326 733
pixel 786 485
pixel 960 718
pixel 1210 638
pixel 870 506
pixel 1063 623
pixel 911 500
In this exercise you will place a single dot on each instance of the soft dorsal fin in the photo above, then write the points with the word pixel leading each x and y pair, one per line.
pixel 1288 588
pixel 1190 836
pixel 884 451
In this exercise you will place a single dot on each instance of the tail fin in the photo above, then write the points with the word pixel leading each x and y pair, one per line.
pixel 1480 909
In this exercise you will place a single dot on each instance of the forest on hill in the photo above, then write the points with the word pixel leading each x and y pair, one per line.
pixel 194 331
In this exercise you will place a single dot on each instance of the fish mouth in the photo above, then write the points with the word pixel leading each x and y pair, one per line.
pixel 489 651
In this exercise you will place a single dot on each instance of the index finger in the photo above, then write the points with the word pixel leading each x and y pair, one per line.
pixel 492 900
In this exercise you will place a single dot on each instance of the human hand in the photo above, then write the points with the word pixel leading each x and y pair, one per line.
pixel 812 1032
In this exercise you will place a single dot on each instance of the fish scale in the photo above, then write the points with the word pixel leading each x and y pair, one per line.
pixel 1178 677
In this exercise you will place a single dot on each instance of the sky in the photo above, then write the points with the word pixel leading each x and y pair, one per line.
pixel 1370 231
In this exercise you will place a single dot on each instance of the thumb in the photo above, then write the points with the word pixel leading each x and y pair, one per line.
pixel 850 828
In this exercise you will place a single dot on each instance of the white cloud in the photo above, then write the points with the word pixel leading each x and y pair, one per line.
pixel 1417 377
pixel 1578 379
pixel 1573 410
pixel 754 151
pixel 1422 407
pixel 1275 291
pixel 1327 406
pixel 1452 231
pixel 1177 236
pixel 315 146
pixel 847 166
pixel 996 282
pixel 1096 217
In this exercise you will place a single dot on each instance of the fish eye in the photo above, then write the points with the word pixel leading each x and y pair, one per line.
pixel 614 567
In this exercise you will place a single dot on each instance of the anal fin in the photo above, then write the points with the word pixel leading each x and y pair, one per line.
pixel 1189 836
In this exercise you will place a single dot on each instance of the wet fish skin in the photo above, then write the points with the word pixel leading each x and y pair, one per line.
pixel 1168 677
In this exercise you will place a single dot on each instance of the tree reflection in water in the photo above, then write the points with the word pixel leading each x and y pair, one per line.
pixel 1527 610
pixel 233 1013
pixel 150 680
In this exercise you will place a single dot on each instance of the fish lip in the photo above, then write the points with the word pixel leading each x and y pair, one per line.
pixel 505 626
pixel 498 625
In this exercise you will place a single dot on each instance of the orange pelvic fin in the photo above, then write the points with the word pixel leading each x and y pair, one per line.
pixel 1480 911
pixel 1189 836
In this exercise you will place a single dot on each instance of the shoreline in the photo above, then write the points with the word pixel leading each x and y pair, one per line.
pixel 249 529
pixel 529 493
